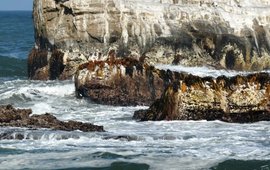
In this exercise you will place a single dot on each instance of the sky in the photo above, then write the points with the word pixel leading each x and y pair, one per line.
pixel 16 5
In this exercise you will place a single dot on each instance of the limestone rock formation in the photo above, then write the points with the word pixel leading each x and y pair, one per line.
pixel 236 99
pixel 223 33
pixel 12 117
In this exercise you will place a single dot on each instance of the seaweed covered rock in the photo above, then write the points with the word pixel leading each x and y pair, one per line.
pixel 232 99
pixel 228 34
pixel 9 116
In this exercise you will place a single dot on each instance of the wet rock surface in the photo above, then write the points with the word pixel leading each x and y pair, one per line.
pixel 9 116
pixel 44 65
pixel 240 99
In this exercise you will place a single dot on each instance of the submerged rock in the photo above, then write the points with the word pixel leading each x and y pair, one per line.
pixel 227 34
pixel 9 116
pixel 124 138
pixel 235 99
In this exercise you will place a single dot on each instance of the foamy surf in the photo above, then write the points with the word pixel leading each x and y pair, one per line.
pixel 204 71
pixel 128 143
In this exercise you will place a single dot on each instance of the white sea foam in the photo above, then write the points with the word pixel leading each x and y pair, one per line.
pixel 203 71
pixel 41 108
pixel 60 90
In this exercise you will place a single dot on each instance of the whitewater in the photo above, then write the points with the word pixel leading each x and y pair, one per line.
pixel 127 143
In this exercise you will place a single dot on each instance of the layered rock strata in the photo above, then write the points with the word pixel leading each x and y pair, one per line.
pixel 230 34
pixel 9 116
pixel 236 99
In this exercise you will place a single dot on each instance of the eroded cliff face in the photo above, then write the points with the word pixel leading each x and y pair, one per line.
pixel 230 34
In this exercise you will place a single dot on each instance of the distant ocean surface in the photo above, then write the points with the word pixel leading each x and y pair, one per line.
pixel 127 144
pixel 16 40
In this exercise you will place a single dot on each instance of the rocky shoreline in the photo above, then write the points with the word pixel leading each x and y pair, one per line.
pixel 11 117
pixel 111 48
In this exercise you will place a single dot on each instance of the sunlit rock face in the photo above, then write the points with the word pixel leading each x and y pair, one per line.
pixel 236 99
pixel 224 34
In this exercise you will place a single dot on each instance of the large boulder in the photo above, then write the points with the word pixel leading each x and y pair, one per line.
pixel 120 82
pixel 229 34
pixel 231 99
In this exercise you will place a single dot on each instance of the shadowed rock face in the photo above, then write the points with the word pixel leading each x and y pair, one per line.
pixel 44 65
pixel 236 99
pixel 227 34
pixel 10 116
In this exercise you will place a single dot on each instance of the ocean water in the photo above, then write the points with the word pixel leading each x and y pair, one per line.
pixel 16 40
pixel 126 144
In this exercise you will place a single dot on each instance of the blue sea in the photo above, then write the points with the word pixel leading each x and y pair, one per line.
pixel 16 39
pixel 127 144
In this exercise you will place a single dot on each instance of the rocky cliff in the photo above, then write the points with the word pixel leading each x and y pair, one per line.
pixel 225 34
